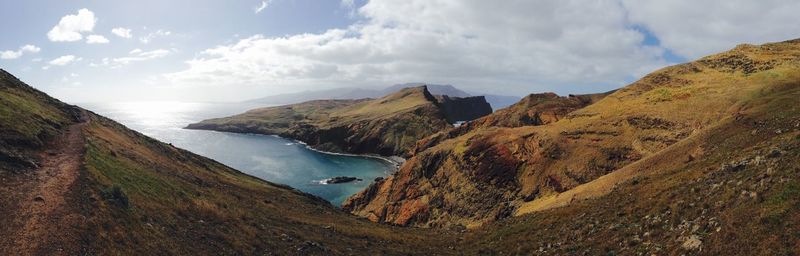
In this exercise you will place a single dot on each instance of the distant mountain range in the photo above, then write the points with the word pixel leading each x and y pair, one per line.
pixel 496 101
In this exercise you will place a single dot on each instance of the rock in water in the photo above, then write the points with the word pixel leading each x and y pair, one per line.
pixel 341 179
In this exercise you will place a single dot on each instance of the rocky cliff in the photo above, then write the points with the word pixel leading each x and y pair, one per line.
pixel 490 172
pixel 463 109
pixel 387 126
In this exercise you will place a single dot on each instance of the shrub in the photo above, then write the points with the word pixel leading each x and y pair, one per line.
pixel 116 196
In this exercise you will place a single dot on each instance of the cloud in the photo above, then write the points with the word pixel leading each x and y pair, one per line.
pixel 70 27
pixel 519 47
pixel 96 39
pixel 696 28
pixel 262 6
pixel 64 60
pixel 8 55
pixel 348 3
pixel 137 55
pixel 158 33
pixel 122 32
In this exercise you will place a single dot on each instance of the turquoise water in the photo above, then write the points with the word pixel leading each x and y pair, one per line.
pixel 268 157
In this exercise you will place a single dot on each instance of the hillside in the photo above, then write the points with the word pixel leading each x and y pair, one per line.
pixel 76 183
pixel 386 126
pixel 651 127
pixel 352 93
pixel 533 110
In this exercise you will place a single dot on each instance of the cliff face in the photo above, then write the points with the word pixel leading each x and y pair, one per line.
pixel 476 175
pixel 386 126
pixel 533 110
pixel 463 109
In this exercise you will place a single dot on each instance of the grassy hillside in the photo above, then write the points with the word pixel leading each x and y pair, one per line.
pixel 494 172
pixel 149 196
pixel 130 194
pixel 28 118
pixel 386 126
pixel 699 158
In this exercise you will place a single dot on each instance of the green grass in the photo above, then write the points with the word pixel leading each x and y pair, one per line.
pixel 779 204
pixel 28 115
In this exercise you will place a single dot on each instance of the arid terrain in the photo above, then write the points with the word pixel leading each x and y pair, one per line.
pixel 697 158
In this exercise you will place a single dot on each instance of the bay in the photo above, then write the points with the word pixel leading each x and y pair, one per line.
pixel 270 158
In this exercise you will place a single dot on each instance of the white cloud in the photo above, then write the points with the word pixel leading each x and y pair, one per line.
pixel 139 55
pixel 103 62
pixel 7 55
pixel 96 39
pixel 262 6
pixel 64 60
pixel 158 33
pixel 30 48
pixel 696 28
pixel 122 32
pixel 10 55
pixel 70 27
pixel 517 47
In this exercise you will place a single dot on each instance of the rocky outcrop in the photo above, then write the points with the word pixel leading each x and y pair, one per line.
pixel 463 109
pixel 533 110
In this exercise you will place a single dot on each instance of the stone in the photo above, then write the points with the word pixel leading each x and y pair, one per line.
pixel 341 179
pixel 692 243
pixel 774 153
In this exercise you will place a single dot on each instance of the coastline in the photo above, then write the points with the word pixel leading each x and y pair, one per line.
pixel 395 161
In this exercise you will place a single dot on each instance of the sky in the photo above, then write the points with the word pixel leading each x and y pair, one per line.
pixel 233 50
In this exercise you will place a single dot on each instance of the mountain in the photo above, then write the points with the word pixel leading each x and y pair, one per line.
pixel 74 182
pixel 690 156
pixel 351 93
pixel 435 89
pixel 387 126
pixel 698 158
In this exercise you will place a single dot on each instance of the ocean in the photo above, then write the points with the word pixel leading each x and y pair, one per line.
pixel 267 157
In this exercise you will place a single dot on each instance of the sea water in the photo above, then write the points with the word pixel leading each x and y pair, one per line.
pixel 267 157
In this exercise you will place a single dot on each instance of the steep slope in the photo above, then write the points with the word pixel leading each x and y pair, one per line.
pixel 489 173
pixel 78 183
pixel 533 110
pixel 386 126
pixel 463 109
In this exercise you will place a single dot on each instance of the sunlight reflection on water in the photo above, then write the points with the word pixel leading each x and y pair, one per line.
pixel 268 157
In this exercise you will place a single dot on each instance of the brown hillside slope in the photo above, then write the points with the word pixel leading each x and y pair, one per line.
pixel 74 185
pixel 386 126
pixel 488 173
pixel 731 189
pixel 533 110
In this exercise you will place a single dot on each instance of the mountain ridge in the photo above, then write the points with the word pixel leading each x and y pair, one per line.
pixel 352 93
pixel 489 173
pixel 386 126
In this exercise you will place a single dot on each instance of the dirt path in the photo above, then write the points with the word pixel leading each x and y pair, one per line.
pixel 46 221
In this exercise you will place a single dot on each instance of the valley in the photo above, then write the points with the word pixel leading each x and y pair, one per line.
pixel 687 160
